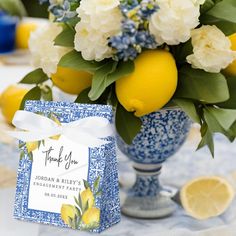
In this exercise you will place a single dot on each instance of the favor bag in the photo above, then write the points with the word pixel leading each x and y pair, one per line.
pixel 67 172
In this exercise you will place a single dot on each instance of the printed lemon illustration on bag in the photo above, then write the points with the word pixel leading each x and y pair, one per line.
pixel 87 198
pixel 32 146
pixel 84 215
pixel 68 212
pixel 91 216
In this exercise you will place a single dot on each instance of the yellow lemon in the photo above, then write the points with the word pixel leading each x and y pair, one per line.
pixel 206 197
pixel 71 81
pixel 67 212
pixel 31 146
pixel 151 85
pixel 10 101
pixel 23 32
pixel 231 69
pixel 91 216
pixel 87 196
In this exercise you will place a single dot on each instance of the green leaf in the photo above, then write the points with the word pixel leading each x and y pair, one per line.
pixel 212 123
pixel 72 22
pixel 226 27
pixel 96 184
pixel 98 194
pixel 127 124
pixel 233 129
pixel 75 222
pixel 99 81
pixel 22 155
pixel 86 184
pixel 181 51
pixel 13 7
pixel 225 117
pixel 33 94
pixel 47 93
pixel 231 102
pixel 208 4
pixel 71 222
pixel 221 13
pixel 108 74
pixel 78 212
pixel 78 222
pixel 224 10
pixel 30 155
pixel 65 38
pixel 123 69
pixel 80 202
pixel 84 98
pixel 207 139
pixel 215 123
pixel 75 61
pixel 189 108
pixel 35 77
pixel 77 202
pixel 112 98
pixel 86 206
pixel 202 86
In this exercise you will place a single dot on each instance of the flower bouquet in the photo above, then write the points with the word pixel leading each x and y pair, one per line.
pixel 140 56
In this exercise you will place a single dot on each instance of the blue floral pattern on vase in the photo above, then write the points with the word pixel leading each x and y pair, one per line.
pixel 148 186
pixel 162 134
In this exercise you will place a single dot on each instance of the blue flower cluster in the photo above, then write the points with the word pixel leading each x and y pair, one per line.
pixel 62 10
pixel 135 35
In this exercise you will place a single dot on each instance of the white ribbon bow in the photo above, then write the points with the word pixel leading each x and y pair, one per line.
pixel 87 131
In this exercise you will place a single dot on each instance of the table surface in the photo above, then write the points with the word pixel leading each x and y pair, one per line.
pixel 183 166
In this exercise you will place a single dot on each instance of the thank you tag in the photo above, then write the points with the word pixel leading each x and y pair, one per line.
pixel 67 174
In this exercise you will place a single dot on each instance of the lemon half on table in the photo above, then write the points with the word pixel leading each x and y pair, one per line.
pixel 206 197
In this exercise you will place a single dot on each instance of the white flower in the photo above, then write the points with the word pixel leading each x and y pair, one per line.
pixel 100 20
pixel 91 7
pixel 92 45
pixel 45 54
pixel 173 22
pixel 211 49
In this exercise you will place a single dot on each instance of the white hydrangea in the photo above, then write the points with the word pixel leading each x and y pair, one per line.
pixel 211 49
pixel 45 54
pixel 173 22
pixel 100 20
pixel 91 7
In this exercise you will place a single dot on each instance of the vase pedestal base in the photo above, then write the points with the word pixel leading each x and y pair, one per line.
pixel 156 207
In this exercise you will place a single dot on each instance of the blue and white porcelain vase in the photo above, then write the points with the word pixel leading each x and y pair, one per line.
pixel 162 134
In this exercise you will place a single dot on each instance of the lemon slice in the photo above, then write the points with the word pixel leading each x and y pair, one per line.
pixel 206 197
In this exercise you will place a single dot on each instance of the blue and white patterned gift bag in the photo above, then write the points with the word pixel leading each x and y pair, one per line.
pixel 66 184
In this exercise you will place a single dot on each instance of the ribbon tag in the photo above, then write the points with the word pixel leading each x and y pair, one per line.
pixel 87 131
